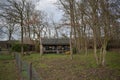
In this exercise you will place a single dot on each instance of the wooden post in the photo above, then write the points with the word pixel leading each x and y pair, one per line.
pixel 20 68
pixel 30 69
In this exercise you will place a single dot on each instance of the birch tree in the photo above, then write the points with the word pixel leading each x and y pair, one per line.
pixel 68 7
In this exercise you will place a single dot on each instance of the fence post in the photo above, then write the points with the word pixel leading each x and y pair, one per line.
pixel 21 66
pixel 30 69
pixel 18 64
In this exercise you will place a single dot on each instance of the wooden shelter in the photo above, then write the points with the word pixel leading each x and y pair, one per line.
pixel 55 45
pixel 50 45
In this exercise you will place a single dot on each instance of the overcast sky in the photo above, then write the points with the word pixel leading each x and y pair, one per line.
pixel 50 8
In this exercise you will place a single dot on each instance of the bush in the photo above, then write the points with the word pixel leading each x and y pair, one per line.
pixel 17 47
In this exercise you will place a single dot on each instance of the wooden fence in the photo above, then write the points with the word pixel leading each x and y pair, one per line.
pixel 26 70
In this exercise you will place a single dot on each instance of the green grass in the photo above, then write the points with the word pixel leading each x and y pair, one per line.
pixel 60 66
pixel 113 60
pixel 7 68
pixel 6 57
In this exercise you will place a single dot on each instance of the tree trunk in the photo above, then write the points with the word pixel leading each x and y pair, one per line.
pixel 86 49
pixel 9 43
pixel 95 49
pixel 41 47
pixel 72 25
pixel 71 51
pixel 100 56
pixel 22 46
pixel 104 53
pixel 22 49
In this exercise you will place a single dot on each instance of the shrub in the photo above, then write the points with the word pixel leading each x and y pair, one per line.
pixel 17 47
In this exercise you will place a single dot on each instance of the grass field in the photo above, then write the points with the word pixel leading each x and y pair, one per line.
pixel 60 67
pixel 7 67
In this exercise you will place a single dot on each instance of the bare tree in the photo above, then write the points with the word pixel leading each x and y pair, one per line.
pixel 94 16
pixel 69 8
pixel 1 29
pixel 101 21
pixel 38 26
pixel 15 11
pixel 18 11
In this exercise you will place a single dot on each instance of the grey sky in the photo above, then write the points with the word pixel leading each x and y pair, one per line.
pixel 50 8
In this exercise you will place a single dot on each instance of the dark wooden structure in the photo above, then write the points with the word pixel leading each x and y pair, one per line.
pixel 5 44
pixel 55 45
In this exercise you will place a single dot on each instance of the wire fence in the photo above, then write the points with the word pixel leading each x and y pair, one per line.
pixel 26 70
